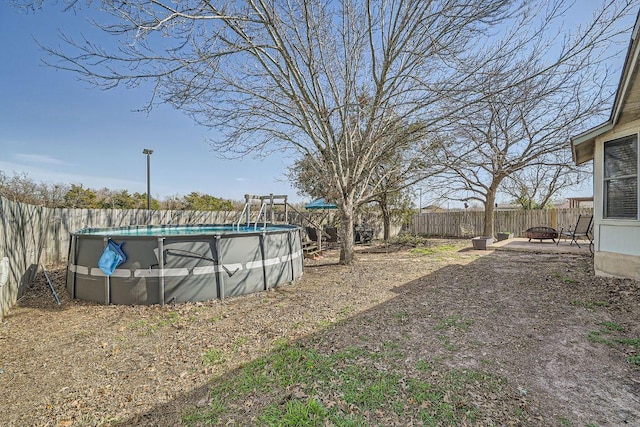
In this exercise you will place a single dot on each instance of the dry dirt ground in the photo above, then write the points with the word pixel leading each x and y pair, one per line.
pixel 563 341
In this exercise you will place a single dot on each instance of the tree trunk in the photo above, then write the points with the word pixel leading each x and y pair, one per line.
pixel 386 221
pixel 488 213
pixel 347 244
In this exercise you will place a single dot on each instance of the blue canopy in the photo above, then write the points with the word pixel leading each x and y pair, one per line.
pixel 320 204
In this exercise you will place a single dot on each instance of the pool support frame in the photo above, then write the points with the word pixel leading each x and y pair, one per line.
pixel 175 268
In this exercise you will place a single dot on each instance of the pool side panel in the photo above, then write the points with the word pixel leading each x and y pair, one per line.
pixel 295 254
pixel 190 269
pixel 138 282
pixel 238 255
pixel 297 257
pixel 276 248
pixel 88 287
pixel 71 261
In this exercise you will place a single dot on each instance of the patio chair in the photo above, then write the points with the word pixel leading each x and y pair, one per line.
pixel 312 233
pixel 332 236
pixel 582 229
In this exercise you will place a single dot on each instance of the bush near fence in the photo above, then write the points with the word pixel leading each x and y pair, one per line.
pixel 471 223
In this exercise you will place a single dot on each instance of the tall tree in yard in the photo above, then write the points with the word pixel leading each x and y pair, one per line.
pixel 80 198
pixel 19 187
pixel 389 181
pixel 518 112
pixel 332 78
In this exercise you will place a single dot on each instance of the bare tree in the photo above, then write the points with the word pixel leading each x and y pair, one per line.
pixel 332 78
pixel 395 172
pixel 21 188
pixel 327 77
pixel 18 188
pixel 393 205
pixel 536 187
pixel 520 128
pixel 518 113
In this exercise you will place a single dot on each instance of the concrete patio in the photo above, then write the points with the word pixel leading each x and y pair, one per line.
pixel 522 244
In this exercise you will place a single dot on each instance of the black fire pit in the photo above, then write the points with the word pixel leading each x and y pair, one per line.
pixel 541 233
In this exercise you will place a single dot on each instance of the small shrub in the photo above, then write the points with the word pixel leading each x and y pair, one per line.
pixel 408 240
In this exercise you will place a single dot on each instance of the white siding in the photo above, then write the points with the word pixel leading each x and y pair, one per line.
pixel 612 235
pixel 620 239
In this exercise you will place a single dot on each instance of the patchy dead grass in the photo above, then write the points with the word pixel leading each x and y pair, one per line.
pixel 441 335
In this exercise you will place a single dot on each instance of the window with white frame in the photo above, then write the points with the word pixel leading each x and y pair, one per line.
pixel 621 178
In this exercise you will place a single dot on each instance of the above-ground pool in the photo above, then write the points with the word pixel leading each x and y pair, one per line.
pixel 173 264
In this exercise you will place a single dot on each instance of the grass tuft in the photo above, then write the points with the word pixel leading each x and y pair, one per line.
pixel 294 413
pixel 433 250
pixel 634 359
pixel 454 322
pixel 300 386
pixel 213 356
pixel 607 335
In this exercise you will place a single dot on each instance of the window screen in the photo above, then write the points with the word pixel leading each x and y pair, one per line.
pixel 621 178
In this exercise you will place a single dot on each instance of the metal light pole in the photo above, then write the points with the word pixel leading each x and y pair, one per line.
pixel 148 153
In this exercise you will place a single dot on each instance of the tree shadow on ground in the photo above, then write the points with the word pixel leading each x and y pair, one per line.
pixel 513 315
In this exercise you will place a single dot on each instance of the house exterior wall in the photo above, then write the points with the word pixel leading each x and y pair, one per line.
pixel 616 241
pixel 616 265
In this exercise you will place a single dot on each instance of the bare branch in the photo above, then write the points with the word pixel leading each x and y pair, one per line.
pixel 336 80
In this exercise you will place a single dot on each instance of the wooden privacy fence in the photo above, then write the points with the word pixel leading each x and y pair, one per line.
pixel 22 243
pixel 31 236
pixel 471 223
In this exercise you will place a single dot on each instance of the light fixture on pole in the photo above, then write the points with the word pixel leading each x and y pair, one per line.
pixel 148 152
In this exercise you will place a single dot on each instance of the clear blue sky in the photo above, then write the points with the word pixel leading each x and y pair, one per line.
pixel 58 129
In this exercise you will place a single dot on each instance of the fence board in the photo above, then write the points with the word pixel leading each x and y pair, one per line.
pixel 455 223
